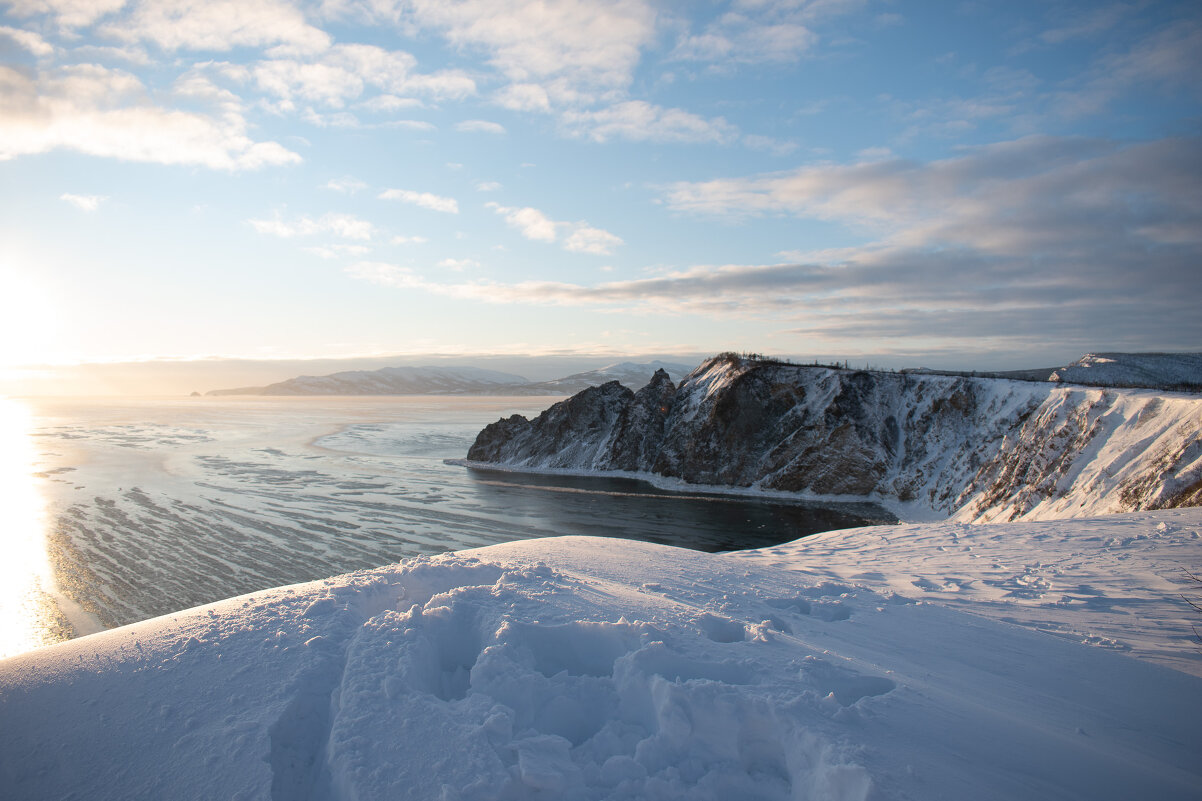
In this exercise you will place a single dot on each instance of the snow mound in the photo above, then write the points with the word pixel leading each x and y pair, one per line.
pixel 587 668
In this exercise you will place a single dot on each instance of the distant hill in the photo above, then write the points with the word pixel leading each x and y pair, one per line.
pixel 1167 371
pixel 1157 370
pixel 456 381
pixel 628 374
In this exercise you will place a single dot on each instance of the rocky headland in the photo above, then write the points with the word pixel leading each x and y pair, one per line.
pixel 972 448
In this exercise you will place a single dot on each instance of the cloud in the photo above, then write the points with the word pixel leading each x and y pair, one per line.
pixel 28 40
pixel 1075 243
pixel 578 237
pixel 384 274
pixel 488 186
pixel 66 13
pixel 409 240
pixel 531 222
pixel 218 25
pixel 344 72
pixel 523 97
pixel 774 146
pixel 640 121
pixel 1166 60
pixel 83 202
pixel 339 251
pixel 458 265
pixel 590 45
pixel 736 39
pixel 410 125
pixel 480 126
pixel 108 113
pixel 347 186
pixel 1086 22
pixel 586 239
pixel 424 199
pixel 346 226
pixel 384 103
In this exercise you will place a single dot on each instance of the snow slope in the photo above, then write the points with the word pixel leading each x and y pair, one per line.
pixel 904 662
pixel 979 449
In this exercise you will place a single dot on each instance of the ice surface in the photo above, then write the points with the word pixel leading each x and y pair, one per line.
pixel 907 661
pixel 158 506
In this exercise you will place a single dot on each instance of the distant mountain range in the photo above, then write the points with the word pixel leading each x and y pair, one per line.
pixel 458 381
pixel 1169 371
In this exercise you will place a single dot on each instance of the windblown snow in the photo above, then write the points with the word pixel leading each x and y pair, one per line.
pixel 915 661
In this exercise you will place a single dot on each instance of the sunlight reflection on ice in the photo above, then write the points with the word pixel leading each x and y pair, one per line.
pixel 28 615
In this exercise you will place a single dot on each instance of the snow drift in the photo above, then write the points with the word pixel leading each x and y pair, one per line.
pixel 584 668
pixel 977 449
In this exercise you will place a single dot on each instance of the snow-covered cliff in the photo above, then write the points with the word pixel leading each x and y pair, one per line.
pixel 976 449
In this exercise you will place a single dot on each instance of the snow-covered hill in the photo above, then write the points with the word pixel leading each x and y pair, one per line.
pixel 455 381
pixel 1160 370
pixel 1168 371
pixel 860 664
pixel 975 448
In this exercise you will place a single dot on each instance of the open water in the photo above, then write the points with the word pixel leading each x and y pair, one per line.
pixel 134 508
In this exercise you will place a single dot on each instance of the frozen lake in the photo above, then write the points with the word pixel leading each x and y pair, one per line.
pixel 125 509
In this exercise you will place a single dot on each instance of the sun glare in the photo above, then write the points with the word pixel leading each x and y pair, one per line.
pixel 28 327
pixel 28 615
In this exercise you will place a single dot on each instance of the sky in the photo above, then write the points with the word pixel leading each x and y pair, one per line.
pixel 977 185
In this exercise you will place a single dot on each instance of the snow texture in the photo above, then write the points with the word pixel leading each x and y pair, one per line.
pixel 898 662
pixel 977 449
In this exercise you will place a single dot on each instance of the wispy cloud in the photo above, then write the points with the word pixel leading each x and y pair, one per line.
pixel 458 265
pixel 347 186
pixel 346 226
pixel 480 126
pixel 424 199
pixel 83 202
pixel 1166 60
pixel 338 251
pixel 737 39
pixel 640 121
pixel 578 237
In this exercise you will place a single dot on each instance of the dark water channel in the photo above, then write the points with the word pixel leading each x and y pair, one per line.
pixel 632 509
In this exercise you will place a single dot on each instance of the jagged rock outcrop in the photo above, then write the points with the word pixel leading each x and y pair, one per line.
pixel 572 433
pixel 975 448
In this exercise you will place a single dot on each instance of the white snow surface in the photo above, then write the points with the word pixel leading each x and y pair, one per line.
pixel 936 661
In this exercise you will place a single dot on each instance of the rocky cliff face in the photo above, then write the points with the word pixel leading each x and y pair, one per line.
pixel 976 449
